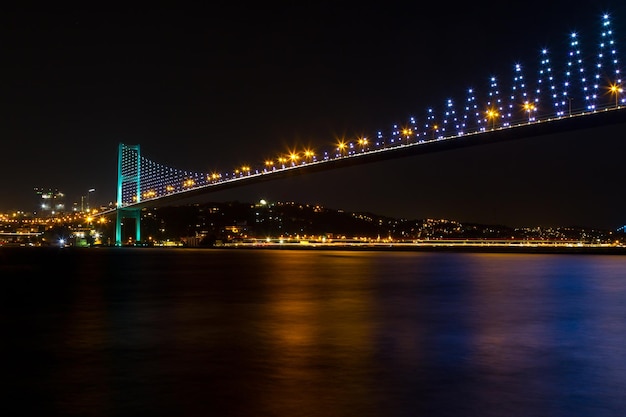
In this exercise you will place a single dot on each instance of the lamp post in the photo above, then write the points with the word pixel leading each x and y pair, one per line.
pixel 341 146
pixel 616 89
pixel 362 143
pixel 569 99
pixel 293 157
pixel 529 107
pixel 407 134
pixel 492 114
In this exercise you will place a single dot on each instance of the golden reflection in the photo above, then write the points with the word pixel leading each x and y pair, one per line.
pixel 315 317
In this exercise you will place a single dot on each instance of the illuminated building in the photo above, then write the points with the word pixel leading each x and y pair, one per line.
pixel 49 201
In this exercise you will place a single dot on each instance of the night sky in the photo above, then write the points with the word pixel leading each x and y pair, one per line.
pixel 216 87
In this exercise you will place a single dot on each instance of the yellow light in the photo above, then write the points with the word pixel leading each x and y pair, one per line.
pixel 616 89
pixel 492 114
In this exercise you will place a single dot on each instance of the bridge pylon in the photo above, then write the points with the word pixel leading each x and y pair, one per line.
pixel 128 188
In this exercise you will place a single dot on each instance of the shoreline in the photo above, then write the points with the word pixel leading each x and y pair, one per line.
pixel 605 250
pixel 511 249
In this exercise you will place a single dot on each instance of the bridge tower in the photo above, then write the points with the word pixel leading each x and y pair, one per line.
pixel 128 188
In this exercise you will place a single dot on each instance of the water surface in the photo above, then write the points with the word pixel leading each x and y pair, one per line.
pixel 253 332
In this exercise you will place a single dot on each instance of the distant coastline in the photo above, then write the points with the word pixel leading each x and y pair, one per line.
pixel 591 250
pixel 473 247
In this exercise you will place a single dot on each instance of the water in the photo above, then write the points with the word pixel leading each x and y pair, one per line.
pixel 252 332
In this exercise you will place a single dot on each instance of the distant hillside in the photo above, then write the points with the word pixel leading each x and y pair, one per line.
pixel 233 220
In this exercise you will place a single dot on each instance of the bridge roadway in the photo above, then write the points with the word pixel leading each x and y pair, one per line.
pixel 579 121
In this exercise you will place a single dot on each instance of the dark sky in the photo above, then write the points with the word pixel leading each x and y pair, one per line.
pixel 216 87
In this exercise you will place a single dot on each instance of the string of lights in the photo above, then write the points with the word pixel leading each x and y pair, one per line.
pixel 555 95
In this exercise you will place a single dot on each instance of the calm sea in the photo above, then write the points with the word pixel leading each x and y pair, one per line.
pixel 255 332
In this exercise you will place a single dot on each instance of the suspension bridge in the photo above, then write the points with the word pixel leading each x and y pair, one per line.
pixel 575 89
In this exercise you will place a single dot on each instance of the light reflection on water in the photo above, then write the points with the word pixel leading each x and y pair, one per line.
pixel 313 333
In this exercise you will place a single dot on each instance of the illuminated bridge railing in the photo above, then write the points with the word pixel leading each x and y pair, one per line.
pixel 157 181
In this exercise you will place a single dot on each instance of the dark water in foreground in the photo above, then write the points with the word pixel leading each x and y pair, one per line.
pixel 184 332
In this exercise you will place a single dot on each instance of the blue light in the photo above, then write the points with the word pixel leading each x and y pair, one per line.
pixel 552 93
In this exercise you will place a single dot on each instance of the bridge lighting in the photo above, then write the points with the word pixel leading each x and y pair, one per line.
pixel 529 107
pixel 430 120
pixel 341 146
pixel 555 96
pixel 492 115
pixel 407 134
pixel 362 143
pixel 617 90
